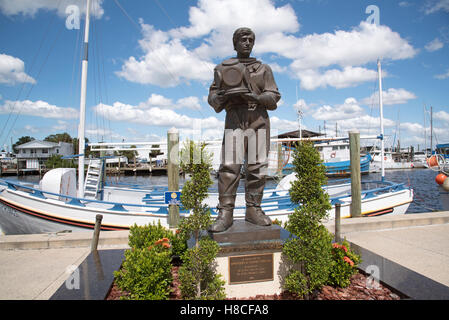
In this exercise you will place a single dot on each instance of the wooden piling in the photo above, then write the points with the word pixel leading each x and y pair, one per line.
pixel 337 222
pixel 356 179
pixel 173 173
pixel 96 235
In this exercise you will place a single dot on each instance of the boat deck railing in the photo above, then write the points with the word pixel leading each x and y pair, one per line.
pixel 273 202
pixel 82 202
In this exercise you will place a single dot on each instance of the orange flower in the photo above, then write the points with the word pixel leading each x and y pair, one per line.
pixel 344 248
pixel 346 259
pixel 165 239
pixel 158 242
pixel 166 245
pixel 335 245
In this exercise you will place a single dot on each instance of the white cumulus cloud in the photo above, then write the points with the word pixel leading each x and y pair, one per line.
pixel 337 59
pixel 12 71
pixel 157 100
pixel 31 7
pixel 166 62
pixel 435 6
pixel 441 115
pixel 154 116
pixel 348 77
pixel 390 97
pixel 38 109
pixel 348 110
pixel 434 45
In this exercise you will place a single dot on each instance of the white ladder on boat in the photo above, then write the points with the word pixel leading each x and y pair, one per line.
pixel 93 179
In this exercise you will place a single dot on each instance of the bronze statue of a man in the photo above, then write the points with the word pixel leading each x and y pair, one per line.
pixel 246 89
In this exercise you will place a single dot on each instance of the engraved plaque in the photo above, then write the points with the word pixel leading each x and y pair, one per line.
pixel 251 268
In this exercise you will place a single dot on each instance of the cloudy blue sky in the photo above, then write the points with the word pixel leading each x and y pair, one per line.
pixel 151 64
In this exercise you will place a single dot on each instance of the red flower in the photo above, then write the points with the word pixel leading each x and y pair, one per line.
pixel 335 245
pixel 346 259
pixel 166 245
pixel 344 248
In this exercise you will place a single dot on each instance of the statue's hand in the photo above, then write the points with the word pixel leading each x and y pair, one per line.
pixel 221 98
pixel 251 98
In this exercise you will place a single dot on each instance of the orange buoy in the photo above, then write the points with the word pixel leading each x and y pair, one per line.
pixel 440 178
pixel 432 161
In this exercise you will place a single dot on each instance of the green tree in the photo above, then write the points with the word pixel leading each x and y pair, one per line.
pixel 154 152
pixel 59 137
pixel 197 275
pixel 309 249
pixel 75 143
pixel 130 154
pixel 56 161
pixel 20 141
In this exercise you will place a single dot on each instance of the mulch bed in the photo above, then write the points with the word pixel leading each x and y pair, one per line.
pixel 357 290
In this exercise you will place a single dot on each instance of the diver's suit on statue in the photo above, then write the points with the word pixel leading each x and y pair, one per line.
pixel 246 89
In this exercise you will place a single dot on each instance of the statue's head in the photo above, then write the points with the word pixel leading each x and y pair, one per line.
pixel 243 40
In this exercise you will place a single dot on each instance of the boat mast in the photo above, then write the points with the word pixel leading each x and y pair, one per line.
pixel 298 110
pixel 425 131
pixel 81 142
pixel 431 131
pixel 382 147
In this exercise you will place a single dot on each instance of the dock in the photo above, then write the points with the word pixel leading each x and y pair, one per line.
pixel 411 253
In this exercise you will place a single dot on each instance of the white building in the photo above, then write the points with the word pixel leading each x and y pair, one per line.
pixel 32 154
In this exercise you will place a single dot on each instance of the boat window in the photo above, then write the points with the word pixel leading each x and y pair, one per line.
pixel 335 148
pixel 320 148
pixel 342 147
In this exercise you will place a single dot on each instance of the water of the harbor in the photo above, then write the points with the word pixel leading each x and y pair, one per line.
pixel 426 193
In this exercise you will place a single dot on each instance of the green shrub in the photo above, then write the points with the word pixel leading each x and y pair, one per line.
pixel 146 272
pixel 145 236
pixel 345 265
pixel 309 250
pixel 197 274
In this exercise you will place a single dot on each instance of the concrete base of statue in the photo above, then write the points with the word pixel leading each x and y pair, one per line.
pixel 250 259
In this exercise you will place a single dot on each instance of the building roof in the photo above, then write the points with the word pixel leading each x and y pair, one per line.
pixel 37 144
pixel 295 134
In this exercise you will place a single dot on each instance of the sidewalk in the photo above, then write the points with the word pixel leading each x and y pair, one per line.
pixel 36 274
pixel 33 267
pixel 419 242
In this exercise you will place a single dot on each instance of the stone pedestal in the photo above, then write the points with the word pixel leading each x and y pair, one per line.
pixel 250 259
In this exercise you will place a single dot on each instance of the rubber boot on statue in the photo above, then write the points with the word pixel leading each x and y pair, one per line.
pixel 225 214
pixel 254 213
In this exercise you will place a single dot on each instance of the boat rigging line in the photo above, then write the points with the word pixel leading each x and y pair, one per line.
pixel 31 87
pixel 12 109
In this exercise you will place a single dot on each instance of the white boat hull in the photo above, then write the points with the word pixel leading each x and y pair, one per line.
pixel 35 213
pixel 58 213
